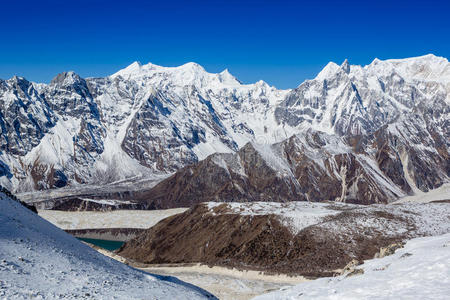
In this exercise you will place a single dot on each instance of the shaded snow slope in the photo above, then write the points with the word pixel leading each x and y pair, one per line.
pixel 420 270
pixel 40 261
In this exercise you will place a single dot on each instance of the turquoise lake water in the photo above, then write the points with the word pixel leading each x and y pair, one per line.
pixel 105 244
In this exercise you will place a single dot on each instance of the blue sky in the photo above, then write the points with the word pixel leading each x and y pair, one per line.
pixel 281 42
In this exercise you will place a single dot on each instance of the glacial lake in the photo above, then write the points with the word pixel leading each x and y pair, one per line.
pixel 105 244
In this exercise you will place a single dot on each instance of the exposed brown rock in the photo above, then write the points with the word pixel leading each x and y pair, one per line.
pixel 355 272
pixel 350 267
pixel 389 250
pixel 315 167
pixel 259 242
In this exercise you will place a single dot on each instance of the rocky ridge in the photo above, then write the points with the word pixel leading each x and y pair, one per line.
pixel 297 238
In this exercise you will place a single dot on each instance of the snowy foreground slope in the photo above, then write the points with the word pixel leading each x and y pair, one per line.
pixel 420 270
pixel 40 261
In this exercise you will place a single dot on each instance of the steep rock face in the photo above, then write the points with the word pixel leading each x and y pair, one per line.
pixel 312 166
pixel 70 96
pixel 157 142
pixel 240 177
pixel 24 116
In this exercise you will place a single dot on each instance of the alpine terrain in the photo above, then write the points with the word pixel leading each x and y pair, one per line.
pixel 360 134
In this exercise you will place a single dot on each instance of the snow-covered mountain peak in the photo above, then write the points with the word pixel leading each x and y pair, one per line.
pixel 330 71
pixel 189 74
pixel 375 61
pixel 16 78
pixel 345 66
pixel 422 68
pixel 263 84
pixel 66 78
pixel 134 68
pixel 18 81
pixel 426 68
pixel 428 58
pixel 351 99
pixel 193 67
pixel 225 72
pixel 227 78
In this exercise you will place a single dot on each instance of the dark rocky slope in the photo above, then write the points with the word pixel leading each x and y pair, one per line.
pixel 261 241
pixel 313 166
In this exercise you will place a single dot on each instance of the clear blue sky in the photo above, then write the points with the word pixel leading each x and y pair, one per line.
pixel 281 42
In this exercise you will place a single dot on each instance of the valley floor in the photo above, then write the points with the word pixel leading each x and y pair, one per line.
pixel 224 283
pixel 108 219
pixel 227 284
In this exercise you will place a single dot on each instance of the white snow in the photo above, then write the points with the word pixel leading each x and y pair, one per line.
pixel 420 270
pixel 441 193
pixel 40 261
pixel 294 215
pixel 429 218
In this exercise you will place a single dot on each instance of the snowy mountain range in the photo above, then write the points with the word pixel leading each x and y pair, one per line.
pixel 383 127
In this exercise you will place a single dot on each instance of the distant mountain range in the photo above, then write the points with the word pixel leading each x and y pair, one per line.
pixel 354 134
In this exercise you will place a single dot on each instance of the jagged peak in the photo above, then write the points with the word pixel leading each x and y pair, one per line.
pixel 135 66
pixel 375 61
pixel 328 71
pixel 331 69
pixel 226 77
pixel 16 78
pixel 66 78
pixel 345 66
pixel 19 81
pixel 132 68
pixel 261 83
pixel 225 72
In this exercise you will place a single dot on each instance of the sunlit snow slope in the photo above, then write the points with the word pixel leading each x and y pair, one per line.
pixel 38 260
pixel 420 270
